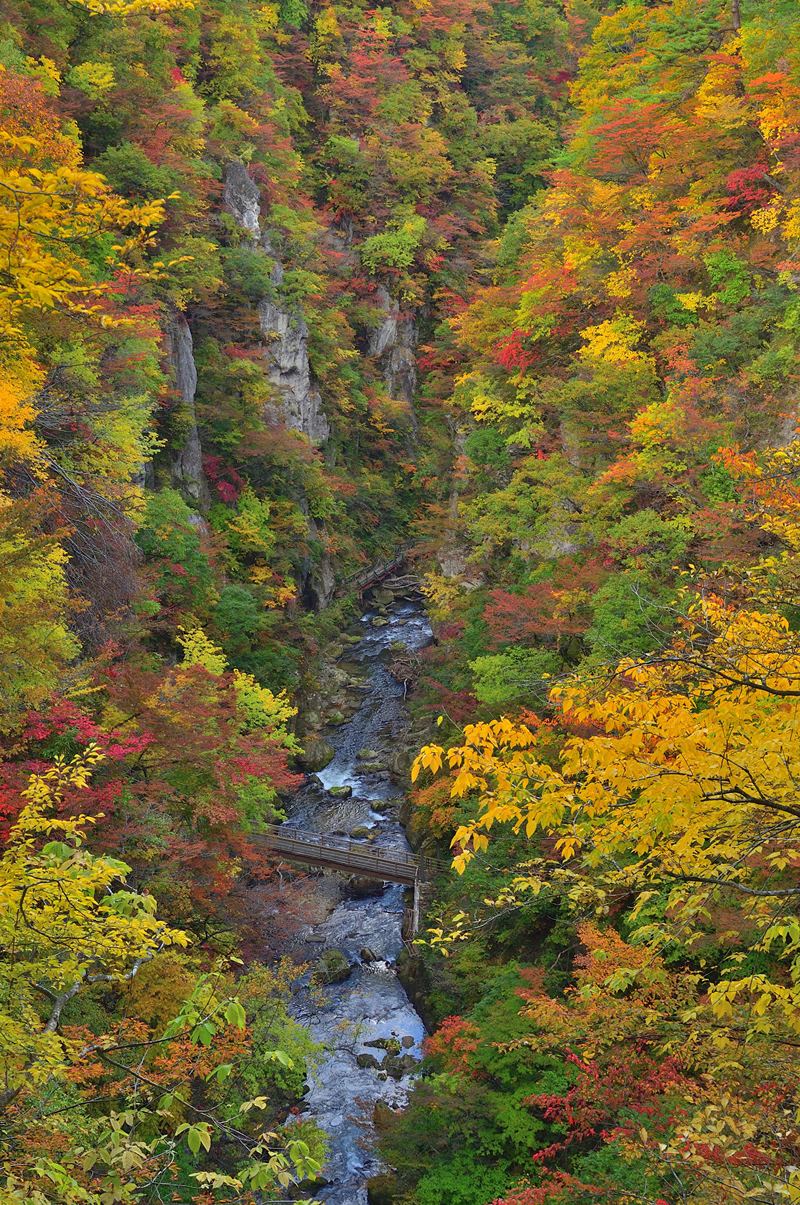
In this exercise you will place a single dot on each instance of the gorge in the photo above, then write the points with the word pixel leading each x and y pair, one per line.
pixel 371 1032
pixel 399 443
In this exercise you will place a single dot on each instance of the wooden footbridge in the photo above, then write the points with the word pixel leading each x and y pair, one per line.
pixel 351 857
pixel 373 575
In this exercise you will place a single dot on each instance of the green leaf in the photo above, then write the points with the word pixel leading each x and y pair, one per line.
pixel 197 1136
pixel 279 1056
pixel 203 1033
pixel 221 1073
pixel 235 1014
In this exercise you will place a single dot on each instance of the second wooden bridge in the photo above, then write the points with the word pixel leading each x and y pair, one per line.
pixel 372 575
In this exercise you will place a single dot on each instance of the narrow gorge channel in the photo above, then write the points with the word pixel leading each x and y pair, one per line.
pixel 371 1031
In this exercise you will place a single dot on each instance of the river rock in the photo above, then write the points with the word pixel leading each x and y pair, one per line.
pixel 312 1184
pixel 343 792
pixel 381 1190
pixel 399 1065
pixel 380 622
pixel 366 755
pixel 362 833
pixel 390 1045
pixel 367 1060
pixel 401 761
pixel 369 955
pixel 407 1041
pixel 361 888
pixel 318 753
pixel 336 718
pixel 333 967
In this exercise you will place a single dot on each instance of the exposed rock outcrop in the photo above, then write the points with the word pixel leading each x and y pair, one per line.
pixel 289 371
pixel 187 462
pixel 297 400
pixel 393 343
pixel 242 198
pixel 318 581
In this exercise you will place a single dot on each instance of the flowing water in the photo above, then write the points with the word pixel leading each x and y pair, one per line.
pixel 371 1003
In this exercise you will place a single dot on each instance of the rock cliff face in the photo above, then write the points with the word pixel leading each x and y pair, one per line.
pixel 187 462
pixel 318 583
pixel 393 344
pixel 289 371
pixel 297 399
pixel 241 197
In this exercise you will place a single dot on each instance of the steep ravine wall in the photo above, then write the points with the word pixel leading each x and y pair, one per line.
pixel 296 401
pixel 187 459
pixel 393 343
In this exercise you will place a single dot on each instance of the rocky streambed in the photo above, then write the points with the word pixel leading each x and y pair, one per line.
pixel 352 1000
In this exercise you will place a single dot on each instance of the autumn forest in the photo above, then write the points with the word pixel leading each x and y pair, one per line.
pixel 400 441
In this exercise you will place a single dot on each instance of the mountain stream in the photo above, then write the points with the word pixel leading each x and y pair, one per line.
pixel 370 1006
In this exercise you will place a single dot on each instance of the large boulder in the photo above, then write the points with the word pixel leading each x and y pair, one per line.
pixel 361 888
pixel 318 753
pixel 381 1190
pixel 333 967
pixel 362 833
pixel 399 1065
pixel 373 767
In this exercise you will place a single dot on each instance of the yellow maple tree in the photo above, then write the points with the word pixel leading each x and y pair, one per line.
pixel 67 921
pixel 685 793
pixel 53 214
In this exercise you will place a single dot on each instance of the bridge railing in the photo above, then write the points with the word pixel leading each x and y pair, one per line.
pixel 348 854
pixel 375 573
pixel 346 845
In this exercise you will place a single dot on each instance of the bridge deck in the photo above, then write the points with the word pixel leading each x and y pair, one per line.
pixel 373 574
pixel 340 853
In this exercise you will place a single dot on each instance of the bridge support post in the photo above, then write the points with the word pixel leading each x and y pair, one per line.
pixel 415 908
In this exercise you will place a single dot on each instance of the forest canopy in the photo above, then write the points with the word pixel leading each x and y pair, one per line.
pixel 286 288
